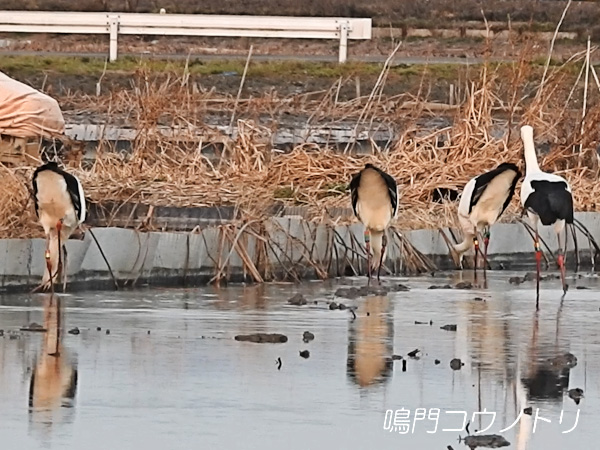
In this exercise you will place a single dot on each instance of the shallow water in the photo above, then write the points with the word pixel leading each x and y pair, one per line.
pixel 189 384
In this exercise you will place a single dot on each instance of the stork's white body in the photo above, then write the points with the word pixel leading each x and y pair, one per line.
pixel 547 198
pixel 534 173
pixel 59 199
pixel 483 201
pixel 375 203
pixel 374 207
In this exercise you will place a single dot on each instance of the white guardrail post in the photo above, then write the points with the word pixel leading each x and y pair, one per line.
pixel 113 29
pixel 344 30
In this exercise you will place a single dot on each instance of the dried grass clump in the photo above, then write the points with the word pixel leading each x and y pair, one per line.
pixel 177 170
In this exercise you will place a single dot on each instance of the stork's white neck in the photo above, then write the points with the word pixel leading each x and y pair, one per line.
pixel 531 162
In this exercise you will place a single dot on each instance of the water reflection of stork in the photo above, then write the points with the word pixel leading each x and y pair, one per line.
pixel 54 377
pixel 370 343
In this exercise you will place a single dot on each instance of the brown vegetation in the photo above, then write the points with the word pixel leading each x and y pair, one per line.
pixel 253 175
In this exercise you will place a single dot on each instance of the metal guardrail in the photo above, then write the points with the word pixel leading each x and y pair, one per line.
pixel 114 24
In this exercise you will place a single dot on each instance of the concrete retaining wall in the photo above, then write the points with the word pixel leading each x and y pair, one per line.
pixel 295 248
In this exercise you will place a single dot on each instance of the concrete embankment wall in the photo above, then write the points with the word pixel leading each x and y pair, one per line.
pixel 286 247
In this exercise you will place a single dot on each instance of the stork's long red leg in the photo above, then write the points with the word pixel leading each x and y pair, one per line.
pixel 486 241
pixel 476 245
pixel 59 269
pixel 383 244
pixel 561 262
pixel 538 260
pixel 368 250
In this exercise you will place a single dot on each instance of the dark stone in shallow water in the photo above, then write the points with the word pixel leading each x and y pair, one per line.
pixel 582 287
pixel 33 327
pixel 74 331
pixel 305 354
pixel 399 288
pixel 364 291
pixel 297 300
pixel 414 353
pixel 487 441
pixel 566 361
pixel 528 411
pixel 529 276
pixel 464 285
pixel 515 280
pixel 333 305
pixel 576 394
pixel 342 307
pixel 456 364
pixel 98 328
pixel 307 336
pixel 445 286
pixel 396 357
pixel 450 327
pixel 350 293
pixel 261 338
pixel 437 362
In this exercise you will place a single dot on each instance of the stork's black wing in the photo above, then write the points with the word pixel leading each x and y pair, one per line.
pixel 354 183
pixel 551 201
pixel 74 193
pixel 483 180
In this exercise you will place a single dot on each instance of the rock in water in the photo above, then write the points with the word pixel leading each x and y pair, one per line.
pixel 576 394
pixel 451 327
pixel 400 288
pixel 350 293
pixel 456 364
pixel 333 305
pixel 297 300
pixel 464 285
pixel 305 354
pixel 74 331
pixel 307 336
pixel 486 440
pixel 566 361
pixel 262 338
pixel 414 353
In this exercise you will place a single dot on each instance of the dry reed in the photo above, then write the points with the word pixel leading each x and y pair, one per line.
pixel 251 174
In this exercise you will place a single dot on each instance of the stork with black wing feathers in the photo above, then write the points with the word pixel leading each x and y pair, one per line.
pixel 60 206
pixel 482 202
pixel 375 203
pixel 547 198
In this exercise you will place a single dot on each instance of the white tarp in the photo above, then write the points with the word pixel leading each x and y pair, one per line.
pixel 26 112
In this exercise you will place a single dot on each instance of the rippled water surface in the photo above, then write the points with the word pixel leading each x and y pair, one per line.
pixel 171 376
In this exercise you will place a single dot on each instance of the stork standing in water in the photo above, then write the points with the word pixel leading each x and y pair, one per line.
pixel 547 198
pixel 375 203
pixel 483 201
pixel 60 207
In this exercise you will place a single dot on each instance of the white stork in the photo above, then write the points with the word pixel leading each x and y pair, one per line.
pixel 482 202
pixel 547 198
pixel 375 204
pixel 60 207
